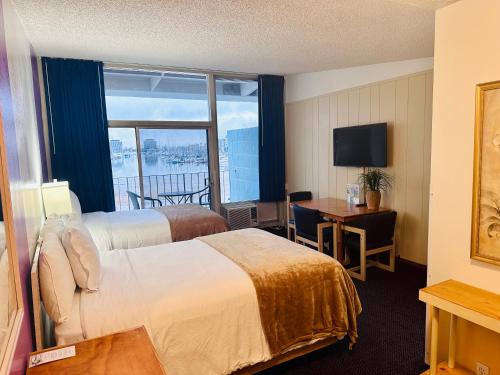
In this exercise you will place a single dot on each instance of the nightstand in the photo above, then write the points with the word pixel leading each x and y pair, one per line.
pixel 129 352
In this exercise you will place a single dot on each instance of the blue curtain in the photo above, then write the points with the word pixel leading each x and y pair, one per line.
pixel 78 130
pixel 271 138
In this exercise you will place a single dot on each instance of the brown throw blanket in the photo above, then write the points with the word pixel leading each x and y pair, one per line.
pixel 303 295
pixel 188 221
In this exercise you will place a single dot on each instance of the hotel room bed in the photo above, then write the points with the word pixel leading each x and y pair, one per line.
pixel 153 226
pixel 219 303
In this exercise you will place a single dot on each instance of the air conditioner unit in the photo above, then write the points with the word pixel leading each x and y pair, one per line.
pixel 240 214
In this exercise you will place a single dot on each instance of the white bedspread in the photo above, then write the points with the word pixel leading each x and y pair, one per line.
pixel 200 308
pixel 127 229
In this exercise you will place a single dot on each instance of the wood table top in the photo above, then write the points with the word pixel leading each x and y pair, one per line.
pixel 128 352
pixel 338 208
pixel 475 299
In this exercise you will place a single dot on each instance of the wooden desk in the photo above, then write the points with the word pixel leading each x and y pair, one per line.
pixel 129 352
pixel 461 301
pixel 339 210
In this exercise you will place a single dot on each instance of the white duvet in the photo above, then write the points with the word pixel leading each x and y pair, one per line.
pixel 127 229
pixel 199 308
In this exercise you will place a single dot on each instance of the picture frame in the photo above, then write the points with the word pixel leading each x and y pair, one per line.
pixel 353 193
pixel 485 226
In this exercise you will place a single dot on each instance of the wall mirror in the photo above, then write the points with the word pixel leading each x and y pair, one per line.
pixel 10 292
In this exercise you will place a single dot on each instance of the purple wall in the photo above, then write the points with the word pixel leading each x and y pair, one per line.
pixel 25 340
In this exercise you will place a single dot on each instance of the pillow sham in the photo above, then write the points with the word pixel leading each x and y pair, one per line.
pixel 83 256
pixel 57 284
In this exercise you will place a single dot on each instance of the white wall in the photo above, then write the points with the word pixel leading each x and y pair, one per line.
pixel 308 85
pixel 405 103
pixel 467 53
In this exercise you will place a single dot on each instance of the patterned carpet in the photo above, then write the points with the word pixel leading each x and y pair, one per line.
pixel 391 331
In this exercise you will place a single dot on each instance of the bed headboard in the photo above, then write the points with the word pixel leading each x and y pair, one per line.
pixel 43 324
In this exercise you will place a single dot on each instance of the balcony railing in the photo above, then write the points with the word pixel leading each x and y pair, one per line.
pixel 166 183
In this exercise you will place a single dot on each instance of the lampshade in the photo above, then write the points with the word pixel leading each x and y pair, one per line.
pixel 56 198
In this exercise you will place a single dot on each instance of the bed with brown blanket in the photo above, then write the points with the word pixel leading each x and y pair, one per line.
pixel 147 227
pixel 222 303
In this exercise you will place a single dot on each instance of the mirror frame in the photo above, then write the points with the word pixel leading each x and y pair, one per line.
pixel 8 348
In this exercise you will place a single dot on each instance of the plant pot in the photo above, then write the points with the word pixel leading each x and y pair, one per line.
pixel 373 199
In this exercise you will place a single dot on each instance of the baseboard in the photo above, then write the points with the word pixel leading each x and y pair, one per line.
pixel 410 263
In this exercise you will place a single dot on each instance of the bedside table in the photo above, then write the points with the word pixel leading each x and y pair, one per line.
pixel 128 352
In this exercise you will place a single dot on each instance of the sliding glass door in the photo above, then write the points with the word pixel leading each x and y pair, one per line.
pixel 181 137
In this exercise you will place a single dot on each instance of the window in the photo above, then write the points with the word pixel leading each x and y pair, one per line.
pixel 156 96
pixel 238 133
pixel 163 142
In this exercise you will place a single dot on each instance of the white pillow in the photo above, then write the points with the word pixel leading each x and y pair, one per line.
pixel 57 284
pixel 75 205
pixel 83 256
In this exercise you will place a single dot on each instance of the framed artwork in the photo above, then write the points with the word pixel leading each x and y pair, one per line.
pixel 485 233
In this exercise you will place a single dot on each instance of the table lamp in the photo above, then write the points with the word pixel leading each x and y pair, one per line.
pixel 56 198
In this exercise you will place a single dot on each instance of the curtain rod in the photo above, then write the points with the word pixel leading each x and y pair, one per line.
pixel 127 66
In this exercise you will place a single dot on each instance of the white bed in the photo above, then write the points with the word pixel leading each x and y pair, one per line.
pixel 190 310
pixel 200 308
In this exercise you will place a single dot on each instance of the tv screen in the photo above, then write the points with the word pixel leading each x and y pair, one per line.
pixel 360 146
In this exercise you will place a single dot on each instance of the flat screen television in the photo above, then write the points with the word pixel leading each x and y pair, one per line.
pixel 360 146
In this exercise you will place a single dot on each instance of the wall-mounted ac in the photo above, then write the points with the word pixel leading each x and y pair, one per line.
pixel 240 214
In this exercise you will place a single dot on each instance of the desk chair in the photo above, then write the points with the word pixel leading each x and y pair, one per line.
pixel 136 200
pixel 311 229
pixel 294 197
pixel 371 235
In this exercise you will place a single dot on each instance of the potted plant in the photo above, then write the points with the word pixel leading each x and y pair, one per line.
pixel 374 181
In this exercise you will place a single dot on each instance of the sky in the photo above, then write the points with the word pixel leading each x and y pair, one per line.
pixel 230 115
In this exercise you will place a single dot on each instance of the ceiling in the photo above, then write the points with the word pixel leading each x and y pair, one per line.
pixel 253 36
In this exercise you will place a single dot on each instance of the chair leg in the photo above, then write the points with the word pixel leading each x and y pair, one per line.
pixel 362 257
pixel 392 259
pixel 334 241
pixel 289 232
pixel 321 242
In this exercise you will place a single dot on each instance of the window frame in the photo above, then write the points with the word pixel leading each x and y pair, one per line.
pixel 210 125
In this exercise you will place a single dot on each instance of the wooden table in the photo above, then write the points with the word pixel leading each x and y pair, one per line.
pixel 128 352
pixel 461 301
pixel 339 210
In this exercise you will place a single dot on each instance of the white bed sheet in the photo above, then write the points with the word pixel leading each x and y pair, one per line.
pixel 127 229
pixel 200 308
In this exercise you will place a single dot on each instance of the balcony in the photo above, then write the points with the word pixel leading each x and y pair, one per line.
pixel 166 183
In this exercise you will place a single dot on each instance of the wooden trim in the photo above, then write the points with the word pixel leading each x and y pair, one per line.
pixel 36 299
pixel 261 366
pixel 7 355
pixel 476 185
